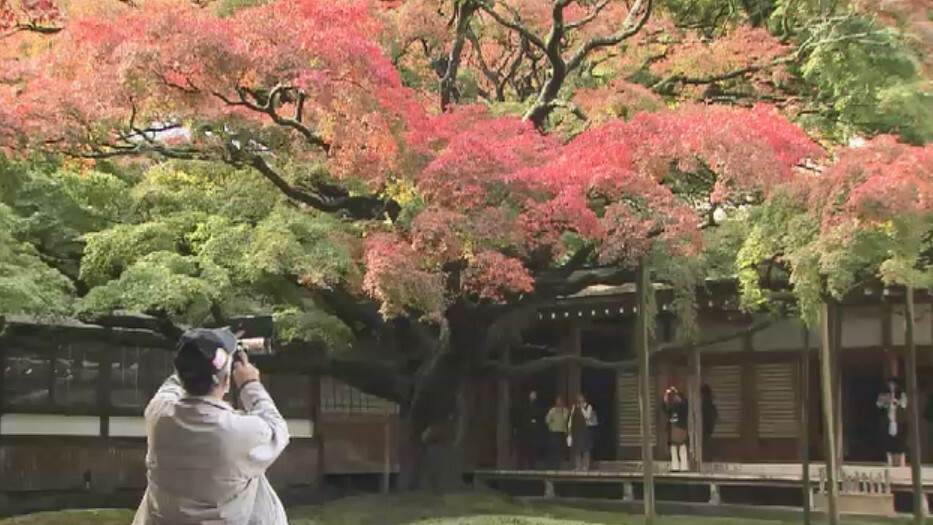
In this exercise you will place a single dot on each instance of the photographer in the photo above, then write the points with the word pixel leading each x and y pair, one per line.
pixel 206 462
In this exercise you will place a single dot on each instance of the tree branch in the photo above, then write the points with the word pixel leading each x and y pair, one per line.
pixel 540 365
pixel 637 18
pixel 736 73
pixel 514 25
pixel 338 200
pixel 250 100
pixel 589 17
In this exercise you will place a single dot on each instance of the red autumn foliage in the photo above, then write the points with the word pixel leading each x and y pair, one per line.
pixel 164 63
pixel 303 81
pixel 629 164
pixel 873 183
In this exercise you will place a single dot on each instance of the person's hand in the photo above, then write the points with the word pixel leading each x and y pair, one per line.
pixel 244 371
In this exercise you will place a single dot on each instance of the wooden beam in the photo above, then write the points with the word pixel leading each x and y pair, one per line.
pixel 642 335
pixel 829 418
pixel 913 412
pixel 804 430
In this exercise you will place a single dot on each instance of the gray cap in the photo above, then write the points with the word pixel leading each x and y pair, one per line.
pixel 203 351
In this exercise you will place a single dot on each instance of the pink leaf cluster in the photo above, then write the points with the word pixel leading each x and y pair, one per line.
pixel 396 278
pixel 494 276
pixel 873 183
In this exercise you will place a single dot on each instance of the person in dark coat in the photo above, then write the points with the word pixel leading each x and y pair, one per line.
pixel 710 417
pixel 677 411
pixel 581 424
pixel 530 431
pixel 893 402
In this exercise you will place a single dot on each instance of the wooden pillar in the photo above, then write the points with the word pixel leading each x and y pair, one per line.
pixel 645 317
pixel 887 341
pixel 503 419
pixel 829 419
pixel 749 415
pixel 314 413
pixel 696 407
pixel 385 485
pixel 913 411
pixel 803 393
pixel 573 346
pixel 105 359
pixel 3 346
pixel 837 365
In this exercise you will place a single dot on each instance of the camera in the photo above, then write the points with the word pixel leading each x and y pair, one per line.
pixel 255 335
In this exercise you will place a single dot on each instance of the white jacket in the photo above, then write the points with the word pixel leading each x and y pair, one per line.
pixel 206 462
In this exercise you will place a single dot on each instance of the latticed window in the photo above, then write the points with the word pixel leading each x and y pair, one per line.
pixel 338 397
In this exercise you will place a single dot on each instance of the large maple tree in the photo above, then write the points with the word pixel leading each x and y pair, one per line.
pixel 290 166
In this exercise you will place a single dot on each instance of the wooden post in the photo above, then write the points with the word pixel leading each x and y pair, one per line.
pixel 913 412
pixel 841 442
pixel 503 419
pixel 573 347
pixel 829 418
pixel 644 388
pixel 749 399
pixel 386 452
pixel 105 359
pixel 3 346
pixel 696 408
pixel 804 430
pixel 314 413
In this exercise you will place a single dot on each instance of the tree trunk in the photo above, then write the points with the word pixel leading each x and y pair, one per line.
pixel 436 417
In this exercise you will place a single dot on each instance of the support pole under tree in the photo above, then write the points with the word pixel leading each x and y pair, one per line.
pixel 386 452
pixel 913 412
pixel 695 398
pixel 644 389
pixel 829 418
pixel 803 393
pixel 503 418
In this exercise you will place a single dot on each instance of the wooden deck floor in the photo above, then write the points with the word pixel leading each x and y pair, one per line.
pixel 726 473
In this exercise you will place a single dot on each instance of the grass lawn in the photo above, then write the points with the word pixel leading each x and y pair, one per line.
pixel 453 509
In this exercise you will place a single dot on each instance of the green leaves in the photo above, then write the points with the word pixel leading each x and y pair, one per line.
pixel 289 242
pixel 867 78
pixel 27 284
pixel 183 287
pixel 108 253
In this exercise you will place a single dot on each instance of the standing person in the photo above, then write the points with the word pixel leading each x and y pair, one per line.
pixel 529 431
pixel 557 419
pixel 206 462
pixel 675 406
pixel 581 424
pixel 893 402
pixel 710 417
